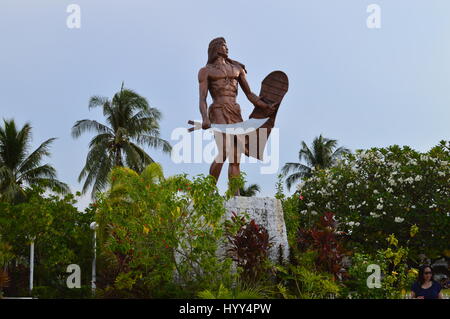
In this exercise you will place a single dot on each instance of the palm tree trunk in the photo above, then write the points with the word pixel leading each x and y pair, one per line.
pixel 118 157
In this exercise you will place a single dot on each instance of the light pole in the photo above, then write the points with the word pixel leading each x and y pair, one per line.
pixel 94 226
pixel 31 264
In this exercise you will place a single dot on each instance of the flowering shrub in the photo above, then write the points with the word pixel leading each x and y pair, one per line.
pixel 384 191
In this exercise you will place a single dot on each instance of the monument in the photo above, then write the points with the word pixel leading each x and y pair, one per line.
pixel 221 77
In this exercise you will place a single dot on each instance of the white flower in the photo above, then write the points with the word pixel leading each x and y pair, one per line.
pixel 351 224
pixel 374 215
pixel 314 213
pixel 399 220
pixel 379 206
pixel 350 185
pixel 352 206
pixel 389 190
pixel 418 178
pixel 392 182
pixel 357 224
pixel 441 173
pixel 375 191
pixel 303 212
pixel 310 204
pixel 413 206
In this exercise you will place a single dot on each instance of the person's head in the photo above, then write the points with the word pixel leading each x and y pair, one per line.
pixel 217 47
pixel 425 274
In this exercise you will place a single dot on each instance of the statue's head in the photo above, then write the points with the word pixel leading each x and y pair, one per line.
pixel 217 47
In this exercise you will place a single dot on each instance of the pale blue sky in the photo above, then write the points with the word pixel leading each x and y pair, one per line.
pixel 362 86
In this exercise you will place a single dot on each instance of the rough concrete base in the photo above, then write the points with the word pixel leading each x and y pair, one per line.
pixel 267 212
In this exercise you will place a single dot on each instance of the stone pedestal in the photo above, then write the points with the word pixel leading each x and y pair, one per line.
pixel 267 212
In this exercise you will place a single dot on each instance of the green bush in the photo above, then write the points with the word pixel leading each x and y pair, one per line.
pixel 236 292
pixel 396 277
pixel 61 235
pixel 46 292
pixel 301 279
pixel 158 237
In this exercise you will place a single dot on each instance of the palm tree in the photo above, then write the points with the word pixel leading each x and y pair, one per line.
pixel 19 168
pixel 249 191
pixel 131 123
pixel 323 154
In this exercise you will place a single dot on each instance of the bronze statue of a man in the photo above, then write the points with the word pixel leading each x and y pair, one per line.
pixel 221 77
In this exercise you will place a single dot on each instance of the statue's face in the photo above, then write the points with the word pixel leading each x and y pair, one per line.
pixel 223 50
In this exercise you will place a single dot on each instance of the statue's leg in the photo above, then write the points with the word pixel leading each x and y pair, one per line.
pixel 215 170
pixel 216 166
pixel 234 158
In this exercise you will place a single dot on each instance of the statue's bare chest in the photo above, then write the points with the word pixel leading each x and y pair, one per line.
pixel 224 71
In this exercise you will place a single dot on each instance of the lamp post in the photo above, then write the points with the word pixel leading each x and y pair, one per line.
pixel 94 226
pixel 31 264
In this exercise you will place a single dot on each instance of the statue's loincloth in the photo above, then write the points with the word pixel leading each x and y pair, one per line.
pixel 230 111
pixel 251 144
pixel 228 144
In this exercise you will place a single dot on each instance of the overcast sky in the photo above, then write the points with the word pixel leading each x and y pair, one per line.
pixel 364 87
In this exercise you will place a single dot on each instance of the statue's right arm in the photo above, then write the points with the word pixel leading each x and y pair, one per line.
pixel 203 93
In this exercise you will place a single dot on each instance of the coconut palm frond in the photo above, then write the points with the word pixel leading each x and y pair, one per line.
pixel 130 124
pixel 323 153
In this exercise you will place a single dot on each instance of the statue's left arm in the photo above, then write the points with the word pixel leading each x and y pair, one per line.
pixel 252 97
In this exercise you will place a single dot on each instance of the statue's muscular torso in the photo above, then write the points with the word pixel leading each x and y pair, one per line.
pixel 223 82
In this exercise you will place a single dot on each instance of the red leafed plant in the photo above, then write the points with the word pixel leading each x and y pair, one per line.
pixel 322 239
pixel 249 247
pixel 4 280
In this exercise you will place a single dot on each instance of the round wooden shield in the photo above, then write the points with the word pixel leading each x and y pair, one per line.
pixel 273 88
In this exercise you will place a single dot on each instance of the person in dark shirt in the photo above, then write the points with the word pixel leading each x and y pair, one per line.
pixel 425 287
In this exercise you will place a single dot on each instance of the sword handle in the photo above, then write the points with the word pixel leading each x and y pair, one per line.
pixel 196 126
